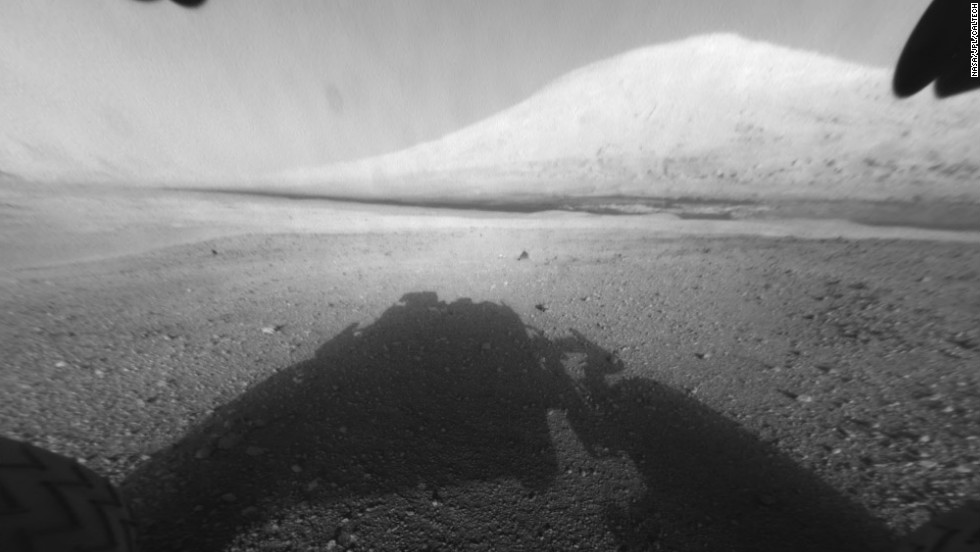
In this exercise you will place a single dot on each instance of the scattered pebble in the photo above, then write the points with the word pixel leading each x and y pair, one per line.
pixel 272 527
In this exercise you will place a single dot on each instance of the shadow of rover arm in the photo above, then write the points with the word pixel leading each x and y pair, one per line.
pixel 696 465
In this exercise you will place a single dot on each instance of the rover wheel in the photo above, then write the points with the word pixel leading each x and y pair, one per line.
pixel 50 503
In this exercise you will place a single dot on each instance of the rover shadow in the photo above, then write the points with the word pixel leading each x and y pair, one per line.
pixel 431 394
pixel 710 484
pixel 435 394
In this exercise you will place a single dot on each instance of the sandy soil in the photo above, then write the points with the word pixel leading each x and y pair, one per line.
pixel 276 375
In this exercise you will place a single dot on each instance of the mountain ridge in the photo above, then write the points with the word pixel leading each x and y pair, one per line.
pixel 687 117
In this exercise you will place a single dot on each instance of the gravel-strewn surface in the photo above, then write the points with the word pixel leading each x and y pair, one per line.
pixel 614 390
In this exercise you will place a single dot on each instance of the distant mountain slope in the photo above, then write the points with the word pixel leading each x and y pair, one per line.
pixel 710 115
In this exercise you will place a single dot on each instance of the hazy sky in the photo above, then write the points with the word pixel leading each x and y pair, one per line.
pixel 331 80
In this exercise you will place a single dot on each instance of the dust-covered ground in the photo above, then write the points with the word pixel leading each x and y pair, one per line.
pixel 448 382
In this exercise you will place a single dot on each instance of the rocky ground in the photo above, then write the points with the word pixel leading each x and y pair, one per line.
pixel 509 389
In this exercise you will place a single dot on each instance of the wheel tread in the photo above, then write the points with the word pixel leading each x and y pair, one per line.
pixel 50 503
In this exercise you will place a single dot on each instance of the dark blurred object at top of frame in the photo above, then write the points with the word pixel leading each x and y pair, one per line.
pixel 185 3
pixel 939 49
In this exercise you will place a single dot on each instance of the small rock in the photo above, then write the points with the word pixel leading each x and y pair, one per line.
pixel 255 451
pixel 312 485
pixel 250 511
pixel 541 307
pixel 331 545
pixel 99 373
pixel 61 364
pixel 272 329
pixel 703 356
pixel 272 527
pixel 928 464
pixel 963 468
pixel 523 256
pixel 229 497
pixel 140 403
pixel 203 453
pixel 804 398
pixel 485 346
pixel 296 468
